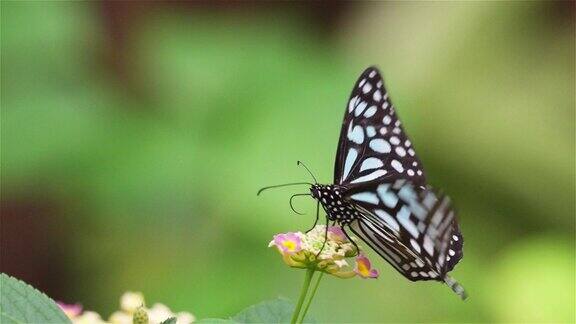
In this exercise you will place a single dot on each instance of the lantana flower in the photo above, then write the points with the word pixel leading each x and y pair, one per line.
pixel 364 268
pixel 309 251
pixel 288 243
pixel 323 250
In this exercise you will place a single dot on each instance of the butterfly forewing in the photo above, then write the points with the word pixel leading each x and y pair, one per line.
pixel 373 145
pixel 412 227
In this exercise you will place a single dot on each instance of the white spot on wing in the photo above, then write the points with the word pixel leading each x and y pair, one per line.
pixel 350 159
pixel 404 220
pixel 400 151
pixel 371 163
pixel 377 96
pixel 356 134
pixel 415 245
pixel 368 197
pixel 389 220
pixel 428 246
pixel 372 74
pixel 370 131
pixel 387 119
pixel 360 108
pixel 379 145
pixel 389 198
pixel 371 176
pixel 370 112
pixel 397 166
pixel 367 87
pixel 352 103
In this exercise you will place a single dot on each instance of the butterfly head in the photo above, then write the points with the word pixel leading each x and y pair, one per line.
pixel 320 191
pixel 315 191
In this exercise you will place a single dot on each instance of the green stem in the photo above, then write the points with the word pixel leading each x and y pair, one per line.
pixel 311 297
pixel 303 292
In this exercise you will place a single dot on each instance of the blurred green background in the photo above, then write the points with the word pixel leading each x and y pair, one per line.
pixel 135 136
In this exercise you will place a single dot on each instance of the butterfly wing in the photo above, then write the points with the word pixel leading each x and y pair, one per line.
pixel 412 227
pixel 407 223
pixel 373 144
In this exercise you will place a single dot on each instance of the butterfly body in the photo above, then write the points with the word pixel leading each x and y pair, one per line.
pixel 338 209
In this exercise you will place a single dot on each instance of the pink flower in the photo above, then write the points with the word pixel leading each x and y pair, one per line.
pixel 364 268
pixel 71 310
pixel 336 234
pixel 287 243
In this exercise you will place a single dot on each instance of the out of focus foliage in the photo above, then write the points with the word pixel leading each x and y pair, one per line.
pixel 150 170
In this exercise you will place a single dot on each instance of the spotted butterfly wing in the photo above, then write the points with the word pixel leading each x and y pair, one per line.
pixel 412 227
pixel 402 219
pixel 373 144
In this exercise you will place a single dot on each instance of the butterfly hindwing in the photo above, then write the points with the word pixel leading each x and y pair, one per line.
pixel 412 227
pixel 373 145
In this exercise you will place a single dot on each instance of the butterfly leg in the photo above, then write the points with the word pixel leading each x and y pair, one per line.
pixel 350 239
pixel 317 217
pixel 325 236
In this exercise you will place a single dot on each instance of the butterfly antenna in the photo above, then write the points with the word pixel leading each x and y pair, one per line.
pixel 304 165
pixel 292 207
pixel 282 185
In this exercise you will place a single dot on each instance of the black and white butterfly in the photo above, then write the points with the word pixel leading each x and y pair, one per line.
pixel 380 191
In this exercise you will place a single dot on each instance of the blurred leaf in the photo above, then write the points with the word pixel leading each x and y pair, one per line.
pixel 274 311
pixel 532 281
pixel 214 320
pixel 21 303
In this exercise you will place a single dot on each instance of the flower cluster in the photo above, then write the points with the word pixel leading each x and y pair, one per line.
pixel 132 310
pixel 310 251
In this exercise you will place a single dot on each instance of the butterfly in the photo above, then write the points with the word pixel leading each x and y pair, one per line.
pixel 380 191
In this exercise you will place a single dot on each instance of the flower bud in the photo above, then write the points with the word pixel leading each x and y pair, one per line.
pixel 140 316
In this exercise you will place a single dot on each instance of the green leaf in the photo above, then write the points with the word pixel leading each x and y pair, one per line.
pixel 21 303
pixel 170 320
pixel 273 311
pixel 215 321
